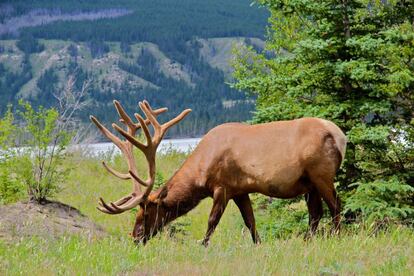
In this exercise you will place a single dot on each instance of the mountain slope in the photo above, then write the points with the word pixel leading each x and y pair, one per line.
pixel 173 53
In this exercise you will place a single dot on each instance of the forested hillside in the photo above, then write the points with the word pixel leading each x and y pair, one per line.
pixel 171 53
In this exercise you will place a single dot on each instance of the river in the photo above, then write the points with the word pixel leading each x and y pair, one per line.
pixel 182 145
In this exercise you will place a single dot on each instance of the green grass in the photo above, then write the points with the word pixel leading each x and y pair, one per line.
pixel 231 251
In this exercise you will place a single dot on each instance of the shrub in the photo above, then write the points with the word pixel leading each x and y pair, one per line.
pixel 40 165
pixel 11 189
pixel 33 149
pixel 280 218
pixel 382 200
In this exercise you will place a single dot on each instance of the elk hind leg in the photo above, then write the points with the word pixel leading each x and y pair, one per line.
pixel 326 189
pixel 314 203
pixel 322 174
pixel 219 205
pixel 246 210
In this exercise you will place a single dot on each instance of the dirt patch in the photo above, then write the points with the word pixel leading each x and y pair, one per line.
pixel 49 220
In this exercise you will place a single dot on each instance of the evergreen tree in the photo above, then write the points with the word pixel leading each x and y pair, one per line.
pixel 98 48
pixel 48 86
pixel 125 47
pixel 28 44
pixel 350 61
pixel 73 51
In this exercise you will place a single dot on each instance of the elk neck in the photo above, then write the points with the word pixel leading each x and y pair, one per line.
pixel 182 193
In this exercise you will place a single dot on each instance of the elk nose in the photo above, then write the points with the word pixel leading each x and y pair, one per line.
pixel 140 240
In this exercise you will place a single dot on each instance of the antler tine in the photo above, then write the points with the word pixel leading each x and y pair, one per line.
pixel 176 120
pixel 144 128
pixel 149 149
pixel 124 116
pixel 123 176
pixel 142 124
pixel 132 203
pixel 114 209
pixel 104 207
pixel 149 153
pixel 156 112
pixel 108 209
pixel 120 144
pixel 130 138
pixel 128 121
pixel 126 149
pixel 146 103
pixel 146 108
pixel 107 133
pixel 142 182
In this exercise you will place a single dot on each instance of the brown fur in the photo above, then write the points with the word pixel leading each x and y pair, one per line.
pixel 280 159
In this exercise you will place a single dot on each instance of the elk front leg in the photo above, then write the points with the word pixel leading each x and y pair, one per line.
pixel 246 210
pixel 219 205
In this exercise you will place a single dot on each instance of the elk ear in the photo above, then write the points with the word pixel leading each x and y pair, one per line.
pixel 158 199
pixel 163 193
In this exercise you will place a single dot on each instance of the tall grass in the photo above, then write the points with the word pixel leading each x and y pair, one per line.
pixel 231 251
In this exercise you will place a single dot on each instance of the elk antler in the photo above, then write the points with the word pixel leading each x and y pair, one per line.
pixel 149 149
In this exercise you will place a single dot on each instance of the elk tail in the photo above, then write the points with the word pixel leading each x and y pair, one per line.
pixel 339 138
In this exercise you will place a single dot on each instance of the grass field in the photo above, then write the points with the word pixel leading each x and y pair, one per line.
pixel 231 251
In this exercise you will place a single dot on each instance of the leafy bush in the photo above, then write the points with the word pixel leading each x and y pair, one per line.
pixel 280 218
pixel 11 189
pixel 7 129
pixel 40 167
pixel 33 148
pixel 382 200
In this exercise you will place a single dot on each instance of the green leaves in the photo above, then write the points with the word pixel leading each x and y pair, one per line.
pixel 40 124
pixel 382 199
pixel 351 62
pixel 11 189
pixel 363 134
pixel 40 168
pixel 7 130
pixel 32 151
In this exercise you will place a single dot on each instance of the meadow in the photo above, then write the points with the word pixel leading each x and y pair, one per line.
pixel 178 251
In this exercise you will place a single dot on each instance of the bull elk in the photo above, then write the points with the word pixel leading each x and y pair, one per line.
pixel 279 159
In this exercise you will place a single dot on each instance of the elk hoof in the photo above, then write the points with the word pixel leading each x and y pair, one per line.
pixel 258 241
pixel 204 242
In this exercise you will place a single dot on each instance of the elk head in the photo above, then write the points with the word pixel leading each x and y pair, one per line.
pixel 149 217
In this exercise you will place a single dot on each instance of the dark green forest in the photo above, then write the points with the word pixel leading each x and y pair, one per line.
pixel 160 21
pixel 174 26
